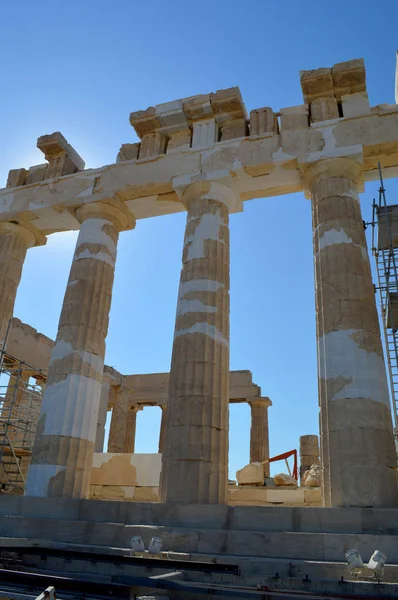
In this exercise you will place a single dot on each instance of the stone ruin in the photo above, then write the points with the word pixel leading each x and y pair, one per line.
pixel 207 156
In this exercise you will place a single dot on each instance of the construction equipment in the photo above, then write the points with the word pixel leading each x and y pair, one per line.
pixel 385 251
pixel 21 388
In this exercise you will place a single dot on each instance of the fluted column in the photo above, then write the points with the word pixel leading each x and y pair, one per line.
pixel 195 456
pixel 357 446
pixel 118 426
pixel 129 443
pixel 63 451
pixel 309 453
pixel 14 242
pixel 162 427
pixel 259 435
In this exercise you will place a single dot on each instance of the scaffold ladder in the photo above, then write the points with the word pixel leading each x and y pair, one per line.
pixel 385 251
pixel 20 403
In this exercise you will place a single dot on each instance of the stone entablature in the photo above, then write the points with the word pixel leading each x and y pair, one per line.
pixel 29 346
pixel 264 163
pixel 151 389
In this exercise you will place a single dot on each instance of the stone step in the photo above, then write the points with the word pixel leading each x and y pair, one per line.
pixel 265 544
pixel 248 518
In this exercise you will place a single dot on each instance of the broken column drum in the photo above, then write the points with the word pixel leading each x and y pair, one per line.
pixel 357 447
pixel 195 456
pixel 63 452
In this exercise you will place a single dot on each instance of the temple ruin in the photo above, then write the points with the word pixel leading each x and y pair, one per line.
pixel 207 156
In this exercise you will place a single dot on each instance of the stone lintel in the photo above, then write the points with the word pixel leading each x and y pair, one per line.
pixel 55 145
pixel 151 389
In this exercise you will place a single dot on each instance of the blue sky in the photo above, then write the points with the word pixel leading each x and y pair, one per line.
pixel 81 67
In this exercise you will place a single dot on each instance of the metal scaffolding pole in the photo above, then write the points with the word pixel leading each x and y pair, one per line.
pixel 21 389
pixel 385 250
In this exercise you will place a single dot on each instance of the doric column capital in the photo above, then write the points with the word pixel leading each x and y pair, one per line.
pixel 114 211
pixel 345 168
pixel 28 232
pixel 264 401
pixel 209 190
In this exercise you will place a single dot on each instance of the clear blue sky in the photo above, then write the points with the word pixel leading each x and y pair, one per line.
pixel 81 67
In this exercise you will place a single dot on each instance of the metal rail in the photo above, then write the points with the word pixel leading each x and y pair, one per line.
pixel 20 581
pixel 117 559
pixel 84 587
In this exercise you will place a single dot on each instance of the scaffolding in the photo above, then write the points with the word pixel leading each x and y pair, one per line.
pixel 385 250
pixel 21 387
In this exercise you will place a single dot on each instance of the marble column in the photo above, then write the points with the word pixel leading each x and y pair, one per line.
pixel 309 453
pixel 131 425
pixel 357 445
pixel 259 435
pixel 195 456
pixel 14 242
pixel 63 451
pixel 118 426
pixel 162 427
